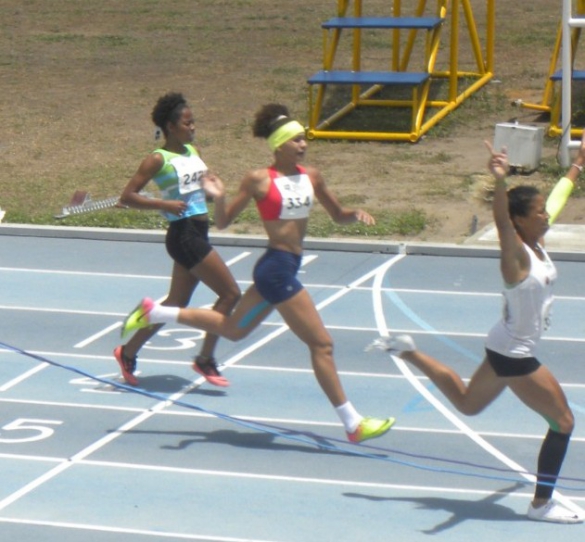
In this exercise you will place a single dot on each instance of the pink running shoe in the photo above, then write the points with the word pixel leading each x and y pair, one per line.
pixel 207 368
pixel 127 365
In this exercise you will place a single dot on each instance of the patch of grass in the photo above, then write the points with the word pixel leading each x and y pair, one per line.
pixel 80 80
pixel 352 200
pixel 60 37
pixel 490 103
pixel 402 223
pixel 439 158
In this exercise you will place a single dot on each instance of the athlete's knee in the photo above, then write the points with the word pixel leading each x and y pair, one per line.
pixel 236 333
pixel 321 347
pixel 231 296
pixel 566 423
pixel 469 407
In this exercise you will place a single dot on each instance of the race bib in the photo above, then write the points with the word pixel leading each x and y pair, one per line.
pixel 297 197
pixel 189 170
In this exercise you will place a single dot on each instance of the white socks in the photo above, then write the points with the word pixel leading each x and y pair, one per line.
pixel 349 416
pixel 161 314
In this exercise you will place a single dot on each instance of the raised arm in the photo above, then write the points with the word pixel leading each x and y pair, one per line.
pixel 514 260
pixel 562 190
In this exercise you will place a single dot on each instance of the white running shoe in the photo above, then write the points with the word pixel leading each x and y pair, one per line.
pixel 553 512
pixel 394 344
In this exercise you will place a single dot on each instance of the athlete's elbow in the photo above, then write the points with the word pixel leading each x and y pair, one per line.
pixel 221 223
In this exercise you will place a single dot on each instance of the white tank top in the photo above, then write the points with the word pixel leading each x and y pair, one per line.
pixel 526 310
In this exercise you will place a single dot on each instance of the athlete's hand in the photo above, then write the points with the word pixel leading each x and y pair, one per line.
pixel 498 163
pixel 213 185
pixel 174 206
pixel 366 218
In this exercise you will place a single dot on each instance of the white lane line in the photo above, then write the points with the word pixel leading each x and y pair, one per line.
pixel 98 335
pixel 159 406
pixel 384 488
pixel 121 530
pixel 58 311
pixel 83 273
pixel 23 376
pixel 417 385
pixel 144 415
pixel 117 325
pixel 235 259
pixel 340 293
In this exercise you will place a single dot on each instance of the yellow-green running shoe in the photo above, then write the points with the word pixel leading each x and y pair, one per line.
pixel 138 318
pixel 370 428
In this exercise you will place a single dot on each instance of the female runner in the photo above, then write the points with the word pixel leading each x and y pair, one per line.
pixel 178 171
pixel 522 218
pixel 284 194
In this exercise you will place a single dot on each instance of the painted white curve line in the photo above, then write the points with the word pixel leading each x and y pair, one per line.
pixel 417 385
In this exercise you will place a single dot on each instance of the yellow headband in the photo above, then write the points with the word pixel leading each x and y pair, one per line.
pixel 284 133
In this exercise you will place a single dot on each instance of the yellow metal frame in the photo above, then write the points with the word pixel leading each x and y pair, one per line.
pixel 551 97
pixel 419 103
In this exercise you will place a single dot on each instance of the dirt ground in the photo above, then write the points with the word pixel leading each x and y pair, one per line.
pixel 78 82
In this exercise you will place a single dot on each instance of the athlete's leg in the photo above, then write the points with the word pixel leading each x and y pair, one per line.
pixel 182 286
pixel 181 289
pixel 541 392
pixel 214 273
pixel 300 314
pixel 470 399
pixel 251 310
pixel 302 317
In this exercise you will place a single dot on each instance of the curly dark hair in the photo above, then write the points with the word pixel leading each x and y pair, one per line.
pixel 520 198
pixel 168 108
pixel 265 121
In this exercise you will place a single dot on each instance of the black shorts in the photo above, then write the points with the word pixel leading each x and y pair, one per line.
pixel 187 241
pixel 507 366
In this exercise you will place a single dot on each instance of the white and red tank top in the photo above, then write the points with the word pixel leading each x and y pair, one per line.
pixel 288 198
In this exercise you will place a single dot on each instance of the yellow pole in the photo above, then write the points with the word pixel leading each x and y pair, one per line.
pixel 490 35
pixel 454 63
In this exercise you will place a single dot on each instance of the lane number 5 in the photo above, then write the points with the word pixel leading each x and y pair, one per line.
pixel 29 425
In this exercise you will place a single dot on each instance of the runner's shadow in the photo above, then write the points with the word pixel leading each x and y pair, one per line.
pixel 253 440
pixel 487 509
pixel 170 384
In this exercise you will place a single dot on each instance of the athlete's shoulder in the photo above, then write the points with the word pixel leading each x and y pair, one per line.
pixel 154 161
pixel 314 175
pixel 192 149
pixel 161 155
pixel 258 175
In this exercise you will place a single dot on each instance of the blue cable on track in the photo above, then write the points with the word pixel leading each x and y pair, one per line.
pixel 319 441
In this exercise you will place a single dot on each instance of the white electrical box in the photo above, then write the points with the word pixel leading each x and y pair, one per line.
pixel 523 143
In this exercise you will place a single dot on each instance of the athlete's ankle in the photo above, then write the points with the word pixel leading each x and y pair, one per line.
pixel 161 314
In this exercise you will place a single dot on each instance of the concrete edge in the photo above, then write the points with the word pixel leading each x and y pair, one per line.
pixel 471 247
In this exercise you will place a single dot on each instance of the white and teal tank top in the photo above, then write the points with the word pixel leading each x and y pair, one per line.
pixel 180 179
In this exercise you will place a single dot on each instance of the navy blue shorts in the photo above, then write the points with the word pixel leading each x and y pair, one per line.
pixel 507 366
pixel 187 241
pixel 275 275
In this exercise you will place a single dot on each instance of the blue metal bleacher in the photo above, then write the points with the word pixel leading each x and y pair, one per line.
pixel 366 86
